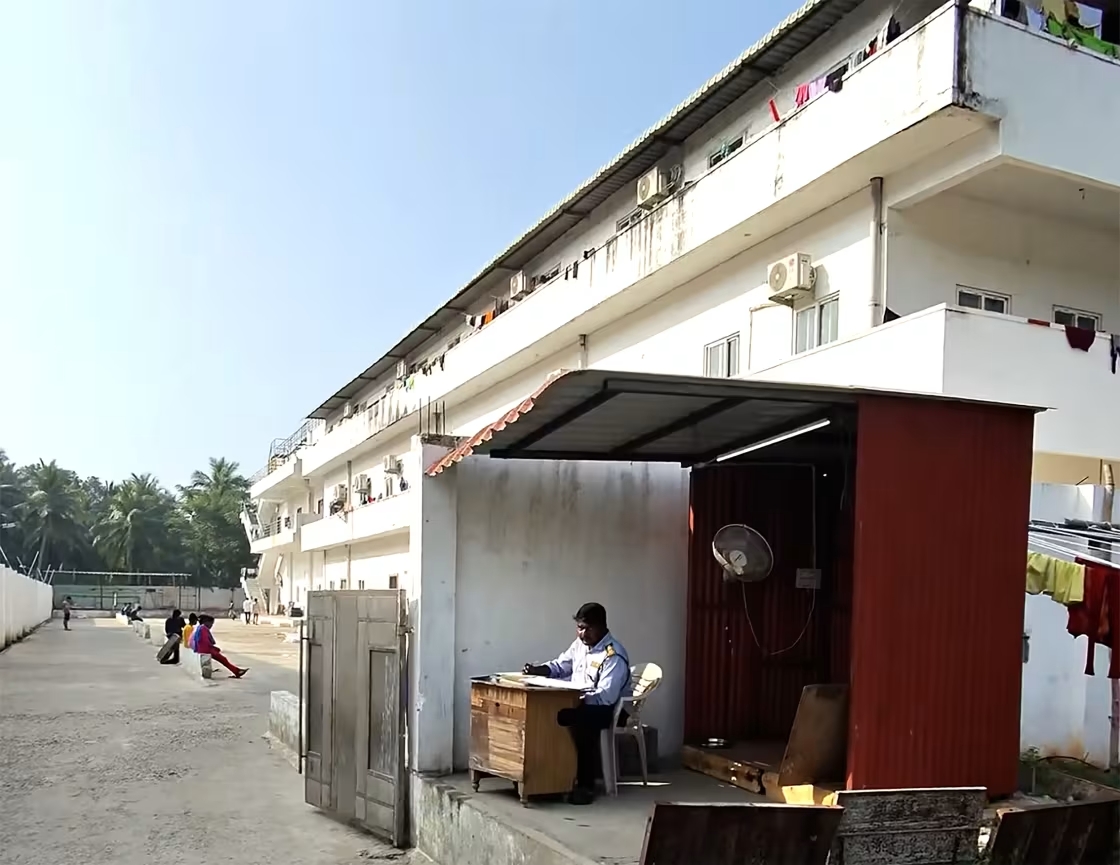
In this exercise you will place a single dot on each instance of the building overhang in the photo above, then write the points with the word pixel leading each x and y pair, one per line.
pixel 645 417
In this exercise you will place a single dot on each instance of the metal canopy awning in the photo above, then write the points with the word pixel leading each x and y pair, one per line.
pixel 628 416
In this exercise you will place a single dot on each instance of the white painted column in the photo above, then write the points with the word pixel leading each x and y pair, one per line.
pixel 431 594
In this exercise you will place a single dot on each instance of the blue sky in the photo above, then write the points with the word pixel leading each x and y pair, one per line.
pixel 214 214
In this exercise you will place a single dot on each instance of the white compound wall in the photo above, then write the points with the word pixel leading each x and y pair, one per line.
pixel 24 604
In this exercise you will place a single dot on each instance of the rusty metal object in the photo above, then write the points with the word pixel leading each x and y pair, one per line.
pixel 909 827
pixel 1083 833
pixel 731 834
pixel 818 741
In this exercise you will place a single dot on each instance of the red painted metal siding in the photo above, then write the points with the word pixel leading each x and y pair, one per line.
pixel 731 689
pixel 942 502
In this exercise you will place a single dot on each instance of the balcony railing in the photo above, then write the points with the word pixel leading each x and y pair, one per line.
pixel 278 525
pixel 281 450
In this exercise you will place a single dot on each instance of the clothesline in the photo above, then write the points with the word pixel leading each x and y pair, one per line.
pixel 1071 562
pixel 1067 551
pixel 1071 540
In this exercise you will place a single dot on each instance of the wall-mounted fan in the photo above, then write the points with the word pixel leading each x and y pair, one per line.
pixel 746 557
pixel 743 553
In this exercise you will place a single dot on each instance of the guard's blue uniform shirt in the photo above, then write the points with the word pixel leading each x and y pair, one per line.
pixel 604 669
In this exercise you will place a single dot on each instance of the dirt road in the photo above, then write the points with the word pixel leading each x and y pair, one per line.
pixel 107 757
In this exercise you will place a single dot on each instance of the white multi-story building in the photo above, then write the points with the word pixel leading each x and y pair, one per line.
pixel 909 195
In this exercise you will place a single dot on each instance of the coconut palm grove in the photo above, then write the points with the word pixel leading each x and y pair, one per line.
pixel 51 518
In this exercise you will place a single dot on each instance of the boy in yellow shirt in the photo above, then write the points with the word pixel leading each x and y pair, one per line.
pixel 192 623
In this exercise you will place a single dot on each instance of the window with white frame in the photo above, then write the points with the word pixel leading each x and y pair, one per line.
pixel 630 219
pixel 816 325
pixel 1077 318
pixel 725 149
pixel 979 298
pixel 721 358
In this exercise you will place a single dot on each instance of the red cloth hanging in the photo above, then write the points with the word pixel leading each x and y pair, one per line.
pixel 1080 337
pixel 774 111
pixel 1098 615
pixel 802 95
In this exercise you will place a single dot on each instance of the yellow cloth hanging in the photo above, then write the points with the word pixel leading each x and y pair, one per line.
pixel 1062 10
pixel 1063 581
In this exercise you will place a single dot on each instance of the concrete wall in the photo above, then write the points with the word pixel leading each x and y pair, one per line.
pixel 24 604
pixel 1005 358
pixel 537 539
pixel 1037 261
pixel 283 719
pixel 981 355
pixel 669 334
pixel 1064 711
pixel 1060 103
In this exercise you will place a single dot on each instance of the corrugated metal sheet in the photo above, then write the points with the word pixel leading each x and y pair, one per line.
pixel 629 416
pixel 732 690
pixel 466 448
pixel 762 60
pixel 942 501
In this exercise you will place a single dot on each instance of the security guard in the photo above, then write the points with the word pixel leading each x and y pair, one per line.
pixel 598 662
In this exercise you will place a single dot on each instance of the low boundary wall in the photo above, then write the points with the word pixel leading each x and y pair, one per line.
pixel 24 605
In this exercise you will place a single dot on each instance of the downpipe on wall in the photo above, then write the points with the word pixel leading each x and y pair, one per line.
pixel 875 306
pixel 1114 715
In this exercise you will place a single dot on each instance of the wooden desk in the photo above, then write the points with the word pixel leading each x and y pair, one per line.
pixel 514 735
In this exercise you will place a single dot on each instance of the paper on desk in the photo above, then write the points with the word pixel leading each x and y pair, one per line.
pixel 544 682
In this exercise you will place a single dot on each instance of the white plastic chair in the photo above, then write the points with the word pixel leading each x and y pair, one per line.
pixel 644 678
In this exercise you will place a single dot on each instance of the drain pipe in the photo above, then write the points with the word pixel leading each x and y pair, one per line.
pixel 875 306
pixel 1107 498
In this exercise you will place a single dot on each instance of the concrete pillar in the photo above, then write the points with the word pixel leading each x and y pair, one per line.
pixel 431 595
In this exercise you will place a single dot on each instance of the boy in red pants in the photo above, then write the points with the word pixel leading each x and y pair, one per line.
pixel 202 641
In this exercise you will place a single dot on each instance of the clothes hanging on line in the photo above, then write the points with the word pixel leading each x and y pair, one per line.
pixel 1098 616
pixel 1062 581
pixel 1114 349
pixel 1080 337
pixel 810 90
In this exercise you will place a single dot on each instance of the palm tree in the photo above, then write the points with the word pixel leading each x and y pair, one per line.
pixel 132 533
pixel 51 514
pixel 222 480
pixel 11 496
pixel 213 539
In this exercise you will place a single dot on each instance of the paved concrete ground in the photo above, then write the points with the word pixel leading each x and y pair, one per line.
pixel 274 663
pixel 107 757
pixel 611 831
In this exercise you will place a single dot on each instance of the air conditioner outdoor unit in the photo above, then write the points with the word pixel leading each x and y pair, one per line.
pixel 348 410
pixel 361 483
pixel 791 278
pixel 391 465
pixel 339 493
pixel 653 187
pixel 402 368
pixel 518 286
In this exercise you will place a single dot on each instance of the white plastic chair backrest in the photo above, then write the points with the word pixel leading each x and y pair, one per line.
pixel 644 678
